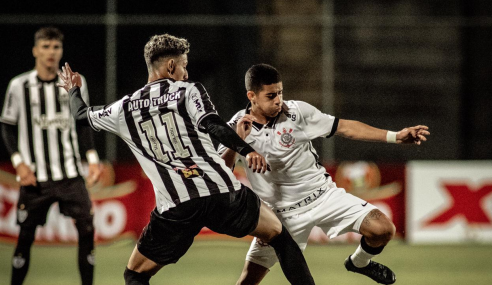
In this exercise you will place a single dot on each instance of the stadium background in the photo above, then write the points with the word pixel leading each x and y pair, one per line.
pixel 389 63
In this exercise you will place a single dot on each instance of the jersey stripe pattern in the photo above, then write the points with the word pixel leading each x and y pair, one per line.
pixel 161 124
pixel 47 135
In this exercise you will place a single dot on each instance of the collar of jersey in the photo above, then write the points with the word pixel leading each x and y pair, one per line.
pixel 47 81
pixel 271 123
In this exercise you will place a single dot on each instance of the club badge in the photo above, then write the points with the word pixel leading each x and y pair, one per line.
pixel 21 215
pixel 286 138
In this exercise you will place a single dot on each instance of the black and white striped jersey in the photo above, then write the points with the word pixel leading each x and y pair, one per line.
pixel 161 124
pixel 47 138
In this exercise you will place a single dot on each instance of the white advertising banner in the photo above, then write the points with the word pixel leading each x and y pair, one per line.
pixel 449 201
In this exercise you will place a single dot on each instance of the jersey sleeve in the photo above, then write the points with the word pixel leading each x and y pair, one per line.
pixel 10 110
pixel 107 117
pixel 233 124
pixel 199 105
pixel 316 123
pixel 85 91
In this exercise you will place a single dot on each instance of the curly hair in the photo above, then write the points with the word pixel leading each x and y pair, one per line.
pixel 164 45
pixel 48 33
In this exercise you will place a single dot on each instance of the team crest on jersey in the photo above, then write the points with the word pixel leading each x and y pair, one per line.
pixel 189 172
pixel 21 215
pixel 286 138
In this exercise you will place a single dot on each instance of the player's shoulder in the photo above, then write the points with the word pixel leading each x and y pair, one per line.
pixel 21 78
pixel 237 117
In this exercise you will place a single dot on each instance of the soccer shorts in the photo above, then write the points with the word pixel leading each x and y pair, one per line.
pixel 335 212
pixel 35 201
pixel 169 235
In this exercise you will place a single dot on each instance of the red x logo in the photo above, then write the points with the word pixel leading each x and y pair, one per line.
pixel 465 202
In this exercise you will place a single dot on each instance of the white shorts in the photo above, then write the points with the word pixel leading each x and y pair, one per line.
pixel 335 212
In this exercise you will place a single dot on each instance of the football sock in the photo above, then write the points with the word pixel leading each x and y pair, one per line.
pixel 364 253
pixel 22 255
pixel 291 259
pixel 135 278
pixel 85 229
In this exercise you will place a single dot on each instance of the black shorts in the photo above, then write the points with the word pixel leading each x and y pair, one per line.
pixel 35 201
pixel 169 235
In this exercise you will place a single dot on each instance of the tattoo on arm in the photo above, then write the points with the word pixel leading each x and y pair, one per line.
pixel 373 215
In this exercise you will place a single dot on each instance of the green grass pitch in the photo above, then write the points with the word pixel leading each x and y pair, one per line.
pixel 220 262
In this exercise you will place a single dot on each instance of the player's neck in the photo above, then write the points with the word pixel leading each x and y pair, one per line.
pixel 260 119
pixel 46 73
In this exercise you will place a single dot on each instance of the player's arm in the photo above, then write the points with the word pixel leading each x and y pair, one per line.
pixel 243 129
pixel 220 131
pixel 359 131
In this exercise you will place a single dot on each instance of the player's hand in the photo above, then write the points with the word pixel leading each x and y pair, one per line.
pixel 94 174
pixel 70 79
pixel 244 125
pixel 413 135
pixel 257 162
pixel 25 175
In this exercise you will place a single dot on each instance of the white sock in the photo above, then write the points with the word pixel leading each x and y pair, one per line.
pixel 360 258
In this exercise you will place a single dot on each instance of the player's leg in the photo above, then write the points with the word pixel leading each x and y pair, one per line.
pixel 22 254
pixel 261 256
pixel 32 208
pixel 140 269
pixel 166 238
pixel 85 230
pixel 377 230
pixel 291 259
pixel 73 199
pixel 241 213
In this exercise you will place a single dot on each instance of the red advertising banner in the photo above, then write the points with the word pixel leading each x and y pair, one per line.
pixel 122 204
pixel 124 198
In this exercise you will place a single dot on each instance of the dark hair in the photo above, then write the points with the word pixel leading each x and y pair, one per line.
pixel 48 33
pixel 259 75
pixel 164 45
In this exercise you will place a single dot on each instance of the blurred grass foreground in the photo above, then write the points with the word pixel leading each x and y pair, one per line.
pixel 221 262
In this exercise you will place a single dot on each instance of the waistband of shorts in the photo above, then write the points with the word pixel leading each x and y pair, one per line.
pixel 311 198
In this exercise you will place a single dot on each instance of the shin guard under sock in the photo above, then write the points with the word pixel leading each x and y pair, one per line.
pixel 291 259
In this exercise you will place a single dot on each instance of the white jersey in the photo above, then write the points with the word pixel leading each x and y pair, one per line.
pixel 285 143
pixel 161 124
pixel 47 137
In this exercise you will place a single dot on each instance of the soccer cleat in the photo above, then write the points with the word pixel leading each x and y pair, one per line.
pixel 373 270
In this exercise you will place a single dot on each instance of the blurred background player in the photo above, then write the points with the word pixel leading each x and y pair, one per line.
pixel 298 188
pixel 168 125
pixel 40 135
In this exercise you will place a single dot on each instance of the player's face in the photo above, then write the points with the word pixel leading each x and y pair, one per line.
pixel 180 72
pixel 268 102
pixel 48 53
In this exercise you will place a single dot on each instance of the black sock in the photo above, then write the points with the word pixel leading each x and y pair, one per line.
pixel 135 278
pixel 291 259
pixel 22 255
pixel 85 229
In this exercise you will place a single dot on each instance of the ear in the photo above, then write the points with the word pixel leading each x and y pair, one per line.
pixel 251 95
pixel 171 65
pixel 34 52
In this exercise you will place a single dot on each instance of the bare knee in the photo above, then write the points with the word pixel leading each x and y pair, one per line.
pixel 377 228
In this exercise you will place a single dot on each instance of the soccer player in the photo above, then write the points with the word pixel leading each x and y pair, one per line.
pixel 40 135
pixel 168 124
pixel 298 188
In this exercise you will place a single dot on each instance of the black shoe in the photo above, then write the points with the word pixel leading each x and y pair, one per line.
pixel 373 270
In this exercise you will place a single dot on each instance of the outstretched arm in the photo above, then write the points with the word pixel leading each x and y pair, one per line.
pixel 359 131
pixel 72 83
